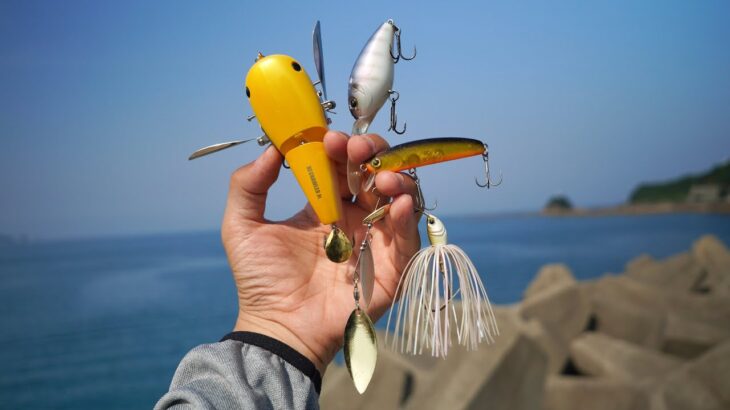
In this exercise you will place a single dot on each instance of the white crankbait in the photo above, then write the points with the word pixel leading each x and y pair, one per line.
pixel 371 79
pixel 371 84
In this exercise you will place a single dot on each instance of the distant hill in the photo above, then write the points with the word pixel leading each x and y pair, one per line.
pixel 559 203
pixel 678 190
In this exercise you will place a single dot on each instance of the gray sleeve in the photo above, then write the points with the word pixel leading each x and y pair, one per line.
pixel 247 371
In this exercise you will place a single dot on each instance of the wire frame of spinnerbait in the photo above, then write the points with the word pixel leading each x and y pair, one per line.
pixel 425 312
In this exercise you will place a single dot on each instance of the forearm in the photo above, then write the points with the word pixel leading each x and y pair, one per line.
pixel 314 345
pixel 247 370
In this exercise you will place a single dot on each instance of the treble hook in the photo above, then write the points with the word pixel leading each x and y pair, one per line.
pixel 489 183
pixel 397 44
pixel 393 115
pixel 420 200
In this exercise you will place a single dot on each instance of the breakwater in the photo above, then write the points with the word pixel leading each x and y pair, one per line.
pixel 656 336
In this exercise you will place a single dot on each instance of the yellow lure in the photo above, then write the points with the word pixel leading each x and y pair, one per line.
pixel 288 108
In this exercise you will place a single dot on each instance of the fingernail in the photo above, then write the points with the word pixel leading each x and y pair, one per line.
pixel 371 143
pixel 401 179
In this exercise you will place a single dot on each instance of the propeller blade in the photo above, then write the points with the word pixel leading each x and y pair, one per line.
pixel 319 57
pixel 216 147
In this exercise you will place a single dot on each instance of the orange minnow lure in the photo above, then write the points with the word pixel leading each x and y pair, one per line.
pixel 420 153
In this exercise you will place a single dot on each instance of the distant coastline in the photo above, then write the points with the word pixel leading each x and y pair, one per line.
pixel 609 210
pixel 642 209
pixel 704 193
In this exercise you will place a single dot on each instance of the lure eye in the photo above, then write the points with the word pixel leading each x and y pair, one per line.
pixel 296 66
pixel 248 93
pixel 353 102
pixel 431 221
pixel 375 162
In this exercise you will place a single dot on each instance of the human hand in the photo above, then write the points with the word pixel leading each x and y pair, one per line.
pixel 287 288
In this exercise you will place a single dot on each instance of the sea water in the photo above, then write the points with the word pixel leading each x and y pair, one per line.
pixel 104 322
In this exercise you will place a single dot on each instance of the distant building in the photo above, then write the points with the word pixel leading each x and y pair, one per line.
pixel 704 193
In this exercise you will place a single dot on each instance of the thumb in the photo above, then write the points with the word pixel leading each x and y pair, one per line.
pixel 250 185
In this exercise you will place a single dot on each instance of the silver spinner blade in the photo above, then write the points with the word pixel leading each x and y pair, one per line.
pixel 319 57
pixel 262 140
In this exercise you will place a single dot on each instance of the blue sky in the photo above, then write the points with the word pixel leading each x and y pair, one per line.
pixel 103 102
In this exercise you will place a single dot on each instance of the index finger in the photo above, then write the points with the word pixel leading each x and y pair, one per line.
pixel 363 147
pixel 360 149
pixel 335 144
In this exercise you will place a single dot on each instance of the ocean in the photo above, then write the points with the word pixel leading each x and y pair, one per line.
pixel 104 322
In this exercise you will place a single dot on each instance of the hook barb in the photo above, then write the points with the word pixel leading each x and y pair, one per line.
pixel 488 183
pixel 420 205
pixel 399 54
pixel 395 58
pixel 393 116
pixel 433 208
